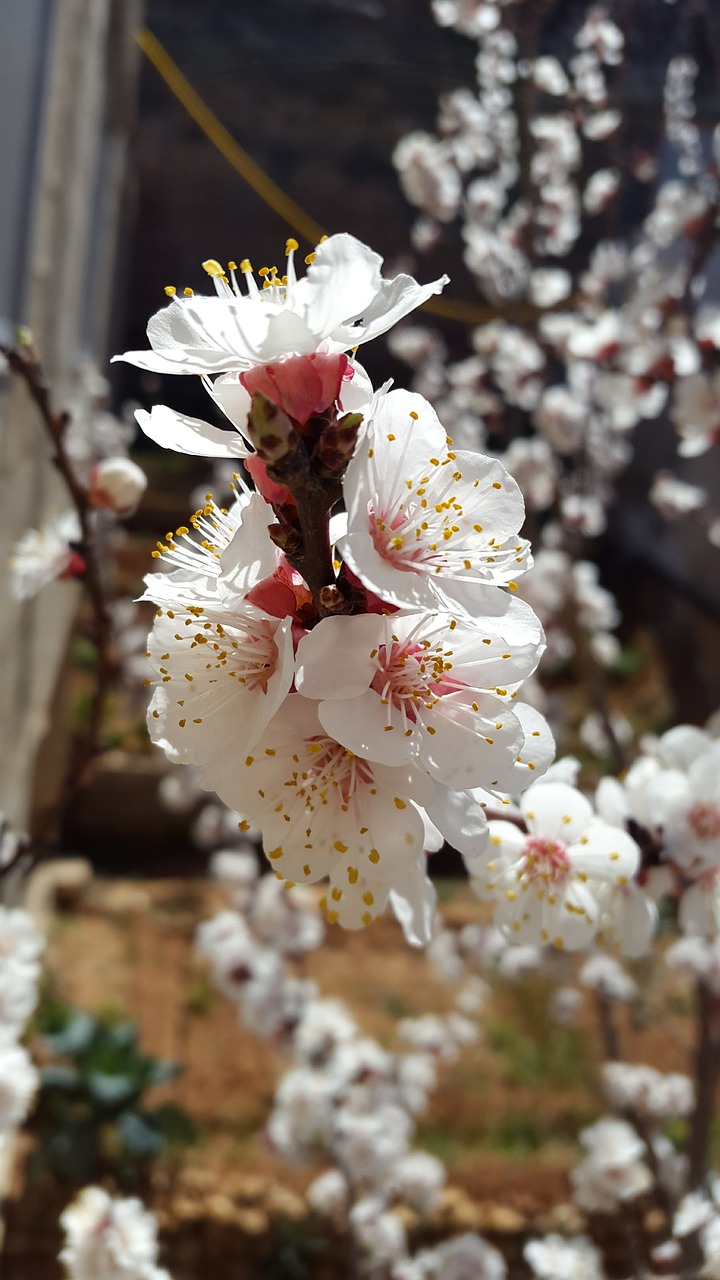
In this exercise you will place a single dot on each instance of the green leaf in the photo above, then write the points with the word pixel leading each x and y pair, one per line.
pixel 111 1090
pixel 160 1072
pixel 138 1136
pixel 175 1124
pixel 58 1077
pixel 71 1150
pixel 75 1037
pixel 123 1035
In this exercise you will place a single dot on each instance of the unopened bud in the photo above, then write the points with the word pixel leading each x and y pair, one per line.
pixel 332 600
pixel 270 430
pixel 336 445
pixel 286 538
pixel 117 483
pixel 24 336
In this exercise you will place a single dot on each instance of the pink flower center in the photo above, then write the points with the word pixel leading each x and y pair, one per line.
pixel 253 657
pixel 704 821
pixel 545 860
pixel 410 674
pixel 330 767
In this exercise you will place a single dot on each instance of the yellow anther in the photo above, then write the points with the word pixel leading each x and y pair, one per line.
pixel 213 267
pixel 309 259
pixel 189 293
pixel 291 244
pixel 246 266
pixel 170 290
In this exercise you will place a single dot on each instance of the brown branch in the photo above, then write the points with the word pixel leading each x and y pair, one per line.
pixel 24 362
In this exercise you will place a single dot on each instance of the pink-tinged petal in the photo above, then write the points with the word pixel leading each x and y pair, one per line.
pixel 380 577
pixel 605 853
pixel 274 596
pixel 184 434
pixel 333 660
pixel 250 556
pixel 233 683
pixel 556 812
pixel 444 523
pixel 276 494
pixel 300 385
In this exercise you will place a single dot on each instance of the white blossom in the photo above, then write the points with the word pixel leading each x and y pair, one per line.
pixel 342 301
pixel 109 1239
pixel 117 483
pixel 545 882
pixel 43 555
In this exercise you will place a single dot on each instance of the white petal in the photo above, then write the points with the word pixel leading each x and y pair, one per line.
pixel 360 723
pixel 605 853
pixel 250 555
pixel 556 811
pixel 184 434
pixel 413 900
pixel 333 660
pixel 460 819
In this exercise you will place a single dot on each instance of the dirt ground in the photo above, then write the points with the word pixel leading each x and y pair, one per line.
pixel 504 1118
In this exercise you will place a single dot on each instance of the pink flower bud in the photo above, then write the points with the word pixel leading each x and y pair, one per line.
pixel 301 386
pixel 116 483
pixel 274 493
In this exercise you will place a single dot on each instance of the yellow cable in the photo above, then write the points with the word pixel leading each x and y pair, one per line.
pixel 225 143
pixel 262 185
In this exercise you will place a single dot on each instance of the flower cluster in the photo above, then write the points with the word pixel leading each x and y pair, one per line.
pixel 109 1238
pixel 20 949
pixel 90 448
pixel 596 336
pixel 344 1097
pixel 346 680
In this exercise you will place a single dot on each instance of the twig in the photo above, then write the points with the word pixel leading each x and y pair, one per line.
pixel 23 360
pixel 608 1030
